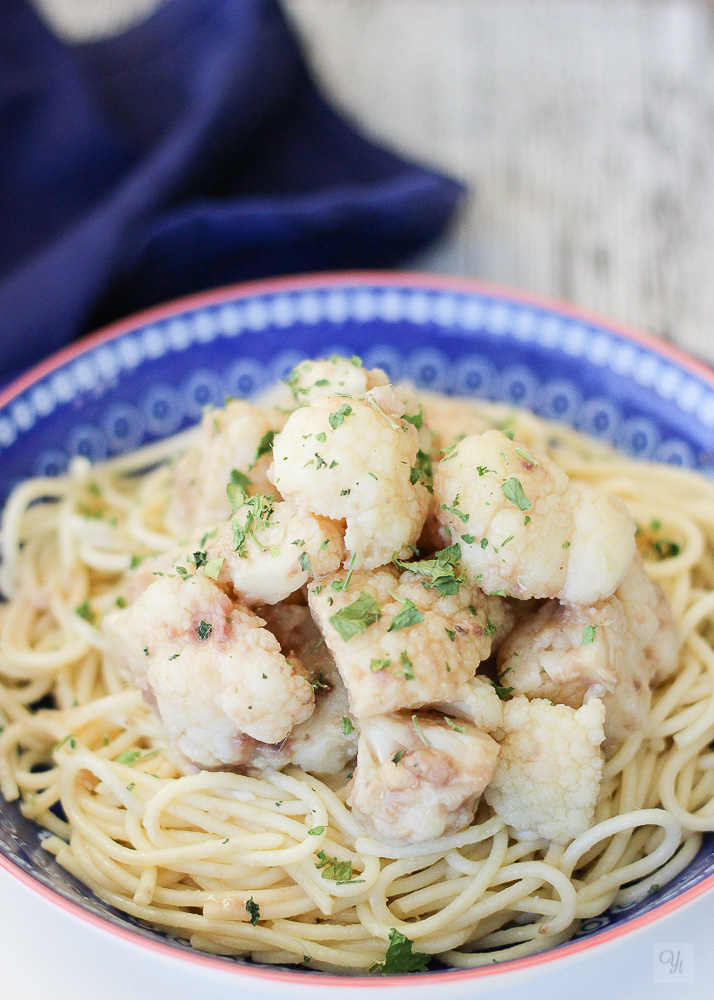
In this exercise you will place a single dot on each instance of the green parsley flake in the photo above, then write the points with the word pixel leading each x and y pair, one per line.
pixel 398 756
pixel 528 458
pixel 588 635
pixel 420 734
pixel 408 666
pixel 513 491
pixel 408 615
pixel 423 471
pixel 316 831
pixel 417 420
pixel 321 437
pixel 483 543
pixel 203 629
pixel 452 725
pixel 469 539
pixel 120 602
pixel 253 910
pixel 451 634
pixel 337 871
pixel 377 664
pixel 338 417
pixel 347 725
pixel 305 565
pixel 84 611
pixel 438 572
pixel 356 617
pixel 213 568
pixel 502 692
pixel 266 445
pixel 240 479
pixel 454 509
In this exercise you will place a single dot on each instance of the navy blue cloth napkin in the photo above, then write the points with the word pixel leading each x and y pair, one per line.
pixel 191 151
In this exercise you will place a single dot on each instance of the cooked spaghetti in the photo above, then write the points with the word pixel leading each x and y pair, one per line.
pixel 255 856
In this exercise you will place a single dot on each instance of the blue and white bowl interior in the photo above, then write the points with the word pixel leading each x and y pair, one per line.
pixel 155 379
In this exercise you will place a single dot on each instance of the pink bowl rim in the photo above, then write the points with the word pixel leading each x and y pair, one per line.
pixel 321 280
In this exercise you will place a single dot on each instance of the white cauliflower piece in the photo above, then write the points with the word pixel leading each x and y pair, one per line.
pixel 476 701
pixel 267 550
pixel 616 650
pixel 311 379
pixel 524 529
pixel 419 778
pixel 231 438
pixel 547 777
pixel 326 742
pixel 212 670
pixel 398 644
pixel 351 459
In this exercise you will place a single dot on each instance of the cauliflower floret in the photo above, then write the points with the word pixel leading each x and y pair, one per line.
pixel 351 459
pixel 231 438
pixel 311 379
pixel 326 742
pixel 524 529
pixel 399 644
pixel 477 701
pixel 418 778
pixel 210 667
pixel 269 550
pixel 617 650
pixel 547 777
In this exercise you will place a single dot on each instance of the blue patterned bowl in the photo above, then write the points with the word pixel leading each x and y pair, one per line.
pixel 150 376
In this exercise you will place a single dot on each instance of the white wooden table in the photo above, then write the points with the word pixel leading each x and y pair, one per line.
pixel 584 129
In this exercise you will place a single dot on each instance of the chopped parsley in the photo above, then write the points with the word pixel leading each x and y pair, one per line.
pixel 305 565
pixel 240 479
pixel 408 615
pixel 260 510
pixel 417 420
pixel 398 756
pixel 120 601
pixel 203 629
pixel 408 666
pixel 439 572
pixel 420 734
pixel 423 471
pixel 454 509
pixel 319 683
pixel 338 871
pixel 452 725
pixel 266 445
pixel 316 831
pixel 321 437
pixel 338 417
pixel 482 470
pixel 346 725
pixel 502 692
pixel 375 406
pixel 484 543
pixel 84 611
pixel 199 559
pixel 376 664
pixel 356 617
pixel 451 634
pixel 528 458
pixel 253 910
pixel 400 956
pixel 513 491
pixel 469 539
pixel 128 757
pixel 588 635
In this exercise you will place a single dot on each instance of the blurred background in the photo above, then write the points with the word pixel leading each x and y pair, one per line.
pixel 583 130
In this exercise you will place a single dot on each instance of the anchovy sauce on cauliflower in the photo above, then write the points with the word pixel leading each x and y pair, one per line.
pixel 436 626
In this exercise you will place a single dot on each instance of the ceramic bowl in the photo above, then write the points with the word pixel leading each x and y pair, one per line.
pixel 150 376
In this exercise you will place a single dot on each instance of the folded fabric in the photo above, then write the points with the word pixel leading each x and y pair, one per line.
pixel 191 151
